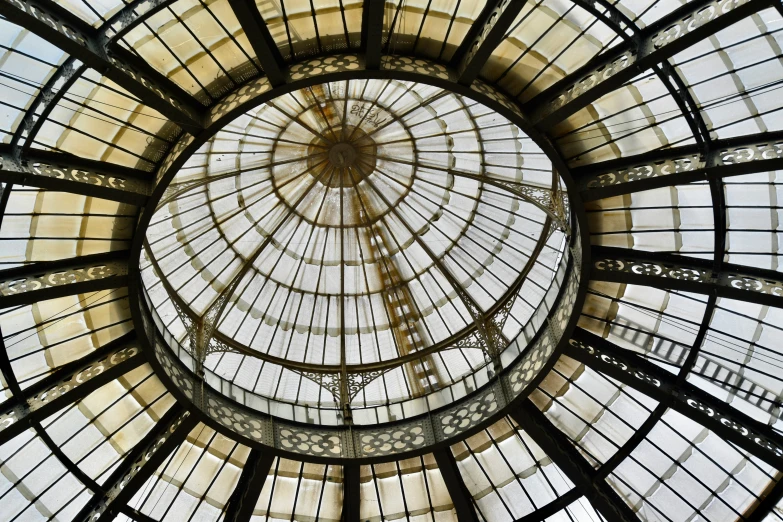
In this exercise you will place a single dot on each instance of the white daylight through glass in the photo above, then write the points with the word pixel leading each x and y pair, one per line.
pixel 391 260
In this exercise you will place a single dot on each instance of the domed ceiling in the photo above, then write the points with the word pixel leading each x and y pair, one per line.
pixel 433 260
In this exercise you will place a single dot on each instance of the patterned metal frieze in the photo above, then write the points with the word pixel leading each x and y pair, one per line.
pixel 683 272
pixel 324 65
pixel 98 270
pixel 687 399
pixel 30 169
pixel 407 437
pixel 128 16
pixel 693 21
pixel 653 169
pixel 494 16
pixel 748 153
pixel 595 77
pixel 638 373
pixel 12 416
pixel 415 65
pixel 723 414
pixel 81 376
pixel 316 441
pixel 141 461
pixel 468 414
pixel 654 269
pixel 237 99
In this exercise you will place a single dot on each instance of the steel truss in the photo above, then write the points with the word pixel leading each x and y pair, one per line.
pixel 139 465
pixel 240 505
pixel 687 274
pixel 566 457
pixel 68 384
pixel 652 46
pixel 484 36
pixel 681 165
pixel 458 491
pixel 730 424
pixel 655 44
pixel 58 26
pixel 77 176
pixel 44 280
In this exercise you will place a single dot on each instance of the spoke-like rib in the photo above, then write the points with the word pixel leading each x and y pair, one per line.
pixel 260 39
pixel 139 465
pixel 76 176
pixel 36 282
pixel 372 32
pixel 734 157
pixel 351 493
pixel 687 274
pixel 61 28
pixel 660 41
pixel 243 500
pixel 70 383
pixel 761 510
pixel 726 421
pixel 484 36
pixel 553 204
pixel 559 448
pixel 460 496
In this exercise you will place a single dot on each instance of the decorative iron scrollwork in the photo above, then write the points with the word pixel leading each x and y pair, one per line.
pixel 63 277
pixel 688 163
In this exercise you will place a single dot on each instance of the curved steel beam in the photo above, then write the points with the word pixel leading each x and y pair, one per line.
pixel 663 39
pixel 68 174
pixel 68 384
pixel 561 450
pixel 69 33
pixel 688 274
pixel 44 280
pixel 727 422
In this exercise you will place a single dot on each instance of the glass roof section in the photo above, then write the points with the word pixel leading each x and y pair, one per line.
pixel 355 223
pixel 317 260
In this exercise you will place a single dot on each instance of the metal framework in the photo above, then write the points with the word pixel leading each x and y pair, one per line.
pixel 484 36
pixel 372 32
pixel 620 265
pixel 60 27
pixel 67 174
pixel 351 493
pixel 725 420
pixel 254 474
pixel 681 165
pixel 460 496
pixel 139 465
pixel 35 282
pixel 69 384
pixel 261 40
pixel 563 453
pixel 646 50
pixel 661 40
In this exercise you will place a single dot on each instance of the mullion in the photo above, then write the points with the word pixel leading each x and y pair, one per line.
pixel 676 461
pixel 470 223
pixel 439 260
pixel 187 478
pixel 212 482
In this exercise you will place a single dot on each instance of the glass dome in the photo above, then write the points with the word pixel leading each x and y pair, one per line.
pixel 383 233
pixel 423 260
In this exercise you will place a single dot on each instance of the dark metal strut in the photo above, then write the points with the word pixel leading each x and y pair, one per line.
pixel 687 274
pixel 69 384
pixel 566 457
pixel 60 27
pixel 28 284
pixel 726 421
